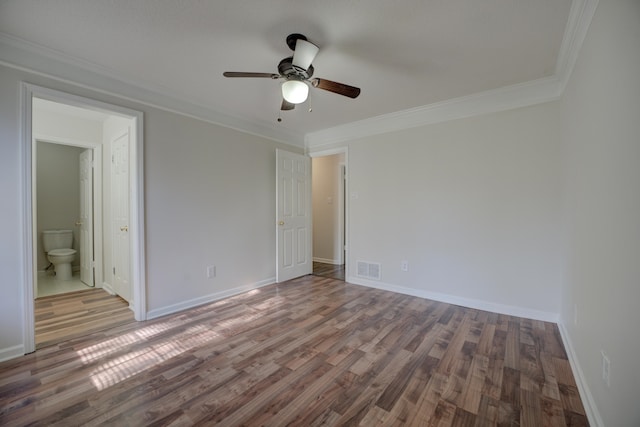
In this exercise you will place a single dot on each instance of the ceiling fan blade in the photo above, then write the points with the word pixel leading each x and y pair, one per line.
pixel 286 105
pixel 242 74
pixel 335 87
pixel 304 54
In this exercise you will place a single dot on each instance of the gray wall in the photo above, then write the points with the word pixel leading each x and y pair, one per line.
pixel 474 206
pixel 534 208
pixel 209 199
pixel 601 110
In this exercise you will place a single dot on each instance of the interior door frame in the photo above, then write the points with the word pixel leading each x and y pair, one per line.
pixel 136 206
pixel 96 194
pixel 344 225
pixel 96 206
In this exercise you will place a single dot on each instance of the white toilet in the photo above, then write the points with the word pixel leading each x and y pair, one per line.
pixel 57 245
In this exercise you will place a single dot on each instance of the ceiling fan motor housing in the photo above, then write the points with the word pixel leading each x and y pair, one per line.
pixel 290 71
pixel 297 71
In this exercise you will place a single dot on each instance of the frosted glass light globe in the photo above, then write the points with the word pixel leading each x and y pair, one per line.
pixel 295 91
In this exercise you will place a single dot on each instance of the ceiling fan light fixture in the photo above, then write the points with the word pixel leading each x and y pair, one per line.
pixel 295 91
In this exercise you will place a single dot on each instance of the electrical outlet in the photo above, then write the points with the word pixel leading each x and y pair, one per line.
pixel 606 369
pixel 404 265
pixel 211 271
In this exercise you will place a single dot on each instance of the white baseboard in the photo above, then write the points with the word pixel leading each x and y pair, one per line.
pixel 107 287
pixel 11 352
pixel 184 305
pixel 510 310
pixel 327 261
pixel 590 407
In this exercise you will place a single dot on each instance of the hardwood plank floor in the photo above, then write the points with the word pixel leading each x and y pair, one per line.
pixel 312 351
pixel 70 315
pixel 328 270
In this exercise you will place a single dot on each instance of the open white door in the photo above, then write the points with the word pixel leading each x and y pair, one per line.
pixel 86 217
pixel 120 215
pixel 293 215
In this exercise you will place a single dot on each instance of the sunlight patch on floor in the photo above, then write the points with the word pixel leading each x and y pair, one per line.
pixel 105 348
pixel 126 366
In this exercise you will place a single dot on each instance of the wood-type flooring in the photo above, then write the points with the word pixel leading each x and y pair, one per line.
pixel 312 351
pixel 328 270
pixel 70 315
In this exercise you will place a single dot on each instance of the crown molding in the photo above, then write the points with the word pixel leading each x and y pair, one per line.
pixel 580 17
pixel 505 98
pixel 21 54
pixel 24 55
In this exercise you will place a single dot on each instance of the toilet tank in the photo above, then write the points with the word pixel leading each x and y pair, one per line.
pixel 57 239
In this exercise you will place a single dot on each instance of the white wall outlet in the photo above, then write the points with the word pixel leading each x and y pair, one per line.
pixel 606 369
pixel 211 271
pixel 404 265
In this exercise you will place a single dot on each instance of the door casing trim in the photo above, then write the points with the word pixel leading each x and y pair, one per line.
pixel 136 206
pixel 346 197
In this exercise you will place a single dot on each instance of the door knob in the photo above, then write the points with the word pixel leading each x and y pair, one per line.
pixel 79 223
pixel 125 228
pixel 281 223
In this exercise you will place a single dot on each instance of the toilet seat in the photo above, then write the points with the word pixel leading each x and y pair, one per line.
pixel 62 252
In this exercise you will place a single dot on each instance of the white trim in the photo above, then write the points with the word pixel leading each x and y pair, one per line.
pixel 27 56
pixel 580 17
pixel 330 152
pixel 185 305
pixel 28 236
pixel 12 352
pixel 64 141
pixel 138 251
pixel 342 212
pixel 588 401
pixel 327 152
pixel 502 99
pixel 22 54
pixel 327 261
pixel 138 262
pixel 510 310
pixel 108 288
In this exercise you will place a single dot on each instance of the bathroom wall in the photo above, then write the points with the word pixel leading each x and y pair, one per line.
pixel 58 192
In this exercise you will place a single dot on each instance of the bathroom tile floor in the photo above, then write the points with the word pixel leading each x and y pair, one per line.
pixel 48 285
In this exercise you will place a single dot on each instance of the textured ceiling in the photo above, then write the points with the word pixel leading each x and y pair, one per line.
pixel 401 53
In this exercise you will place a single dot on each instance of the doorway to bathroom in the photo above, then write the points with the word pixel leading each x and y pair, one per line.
pixel 64 183
pixel 83 174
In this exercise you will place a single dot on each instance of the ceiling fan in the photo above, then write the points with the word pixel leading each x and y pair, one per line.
pixel 297 73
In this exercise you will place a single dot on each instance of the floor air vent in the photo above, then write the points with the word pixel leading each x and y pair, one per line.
pixel 370 270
